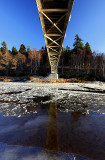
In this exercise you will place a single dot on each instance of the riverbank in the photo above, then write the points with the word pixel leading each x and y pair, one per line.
pixel 36 79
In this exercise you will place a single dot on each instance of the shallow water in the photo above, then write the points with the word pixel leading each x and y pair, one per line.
pixel 52 124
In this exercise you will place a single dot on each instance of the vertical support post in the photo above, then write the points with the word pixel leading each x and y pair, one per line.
pixel 54 59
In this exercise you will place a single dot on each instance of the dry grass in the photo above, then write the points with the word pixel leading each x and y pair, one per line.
pixel 60 80
pixel 13 79
pixel 6 80
pixel 41 80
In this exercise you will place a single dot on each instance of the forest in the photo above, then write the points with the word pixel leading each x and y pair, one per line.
pixel 79 62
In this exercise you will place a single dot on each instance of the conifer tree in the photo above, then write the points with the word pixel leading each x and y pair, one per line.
pixel 78 45
pixel 88 49
pixel 22 49
pixel 28 49
pixel 14 51
pixel 42 47
pixel 4 47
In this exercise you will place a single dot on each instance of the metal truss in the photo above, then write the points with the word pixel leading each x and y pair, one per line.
pixel 54 41
pixel 48 36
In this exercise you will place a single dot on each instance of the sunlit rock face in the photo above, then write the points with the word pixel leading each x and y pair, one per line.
pixel 17 99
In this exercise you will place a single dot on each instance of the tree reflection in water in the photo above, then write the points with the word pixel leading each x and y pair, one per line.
pixel 52 140
pixel 55 127
pixel 52 131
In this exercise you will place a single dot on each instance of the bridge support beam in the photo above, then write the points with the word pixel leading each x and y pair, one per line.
pixel 54 17
pixel 54 59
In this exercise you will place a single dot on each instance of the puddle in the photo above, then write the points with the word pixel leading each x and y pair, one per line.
pixel 52 121
pixel 52 132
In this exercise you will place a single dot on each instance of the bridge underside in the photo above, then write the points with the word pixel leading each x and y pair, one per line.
pixel 54 16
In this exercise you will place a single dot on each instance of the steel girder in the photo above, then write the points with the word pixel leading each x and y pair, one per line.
pixel 54 16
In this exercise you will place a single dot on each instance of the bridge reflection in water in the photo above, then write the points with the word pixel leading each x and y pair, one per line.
pixel 52 130
pixel 56 130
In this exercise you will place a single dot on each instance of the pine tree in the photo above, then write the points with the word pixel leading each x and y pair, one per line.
pixel 14 51
pixel 78 45
pixel 45 49
pixel 66 55
pixel 4 47
pixel 28 49
pixel 88 49
pixel 22 49
pixel 28 52
pixel 42 47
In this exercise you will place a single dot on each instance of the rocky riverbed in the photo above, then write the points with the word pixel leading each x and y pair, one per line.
pixel 56 120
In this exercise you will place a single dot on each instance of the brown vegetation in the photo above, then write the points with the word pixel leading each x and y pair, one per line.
pixel 79 63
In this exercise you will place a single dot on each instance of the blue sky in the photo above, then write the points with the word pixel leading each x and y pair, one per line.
pixel 19 24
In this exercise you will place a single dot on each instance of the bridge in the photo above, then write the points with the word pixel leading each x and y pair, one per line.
pixel 54 16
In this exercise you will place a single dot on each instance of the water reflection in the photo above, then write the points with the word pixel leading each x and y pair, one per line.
pixel 81 133
pixel 52 130
pixel 76 115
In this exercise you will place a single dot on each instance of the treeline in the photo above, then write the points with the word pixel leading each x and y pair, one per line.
pixel 20 63
pixel 79 62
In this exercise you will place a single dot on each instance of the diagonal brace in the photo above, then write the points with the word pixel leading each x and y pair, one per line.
pixel 51 40
pixel 56 40
pixel 57 22
pixel 52 22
